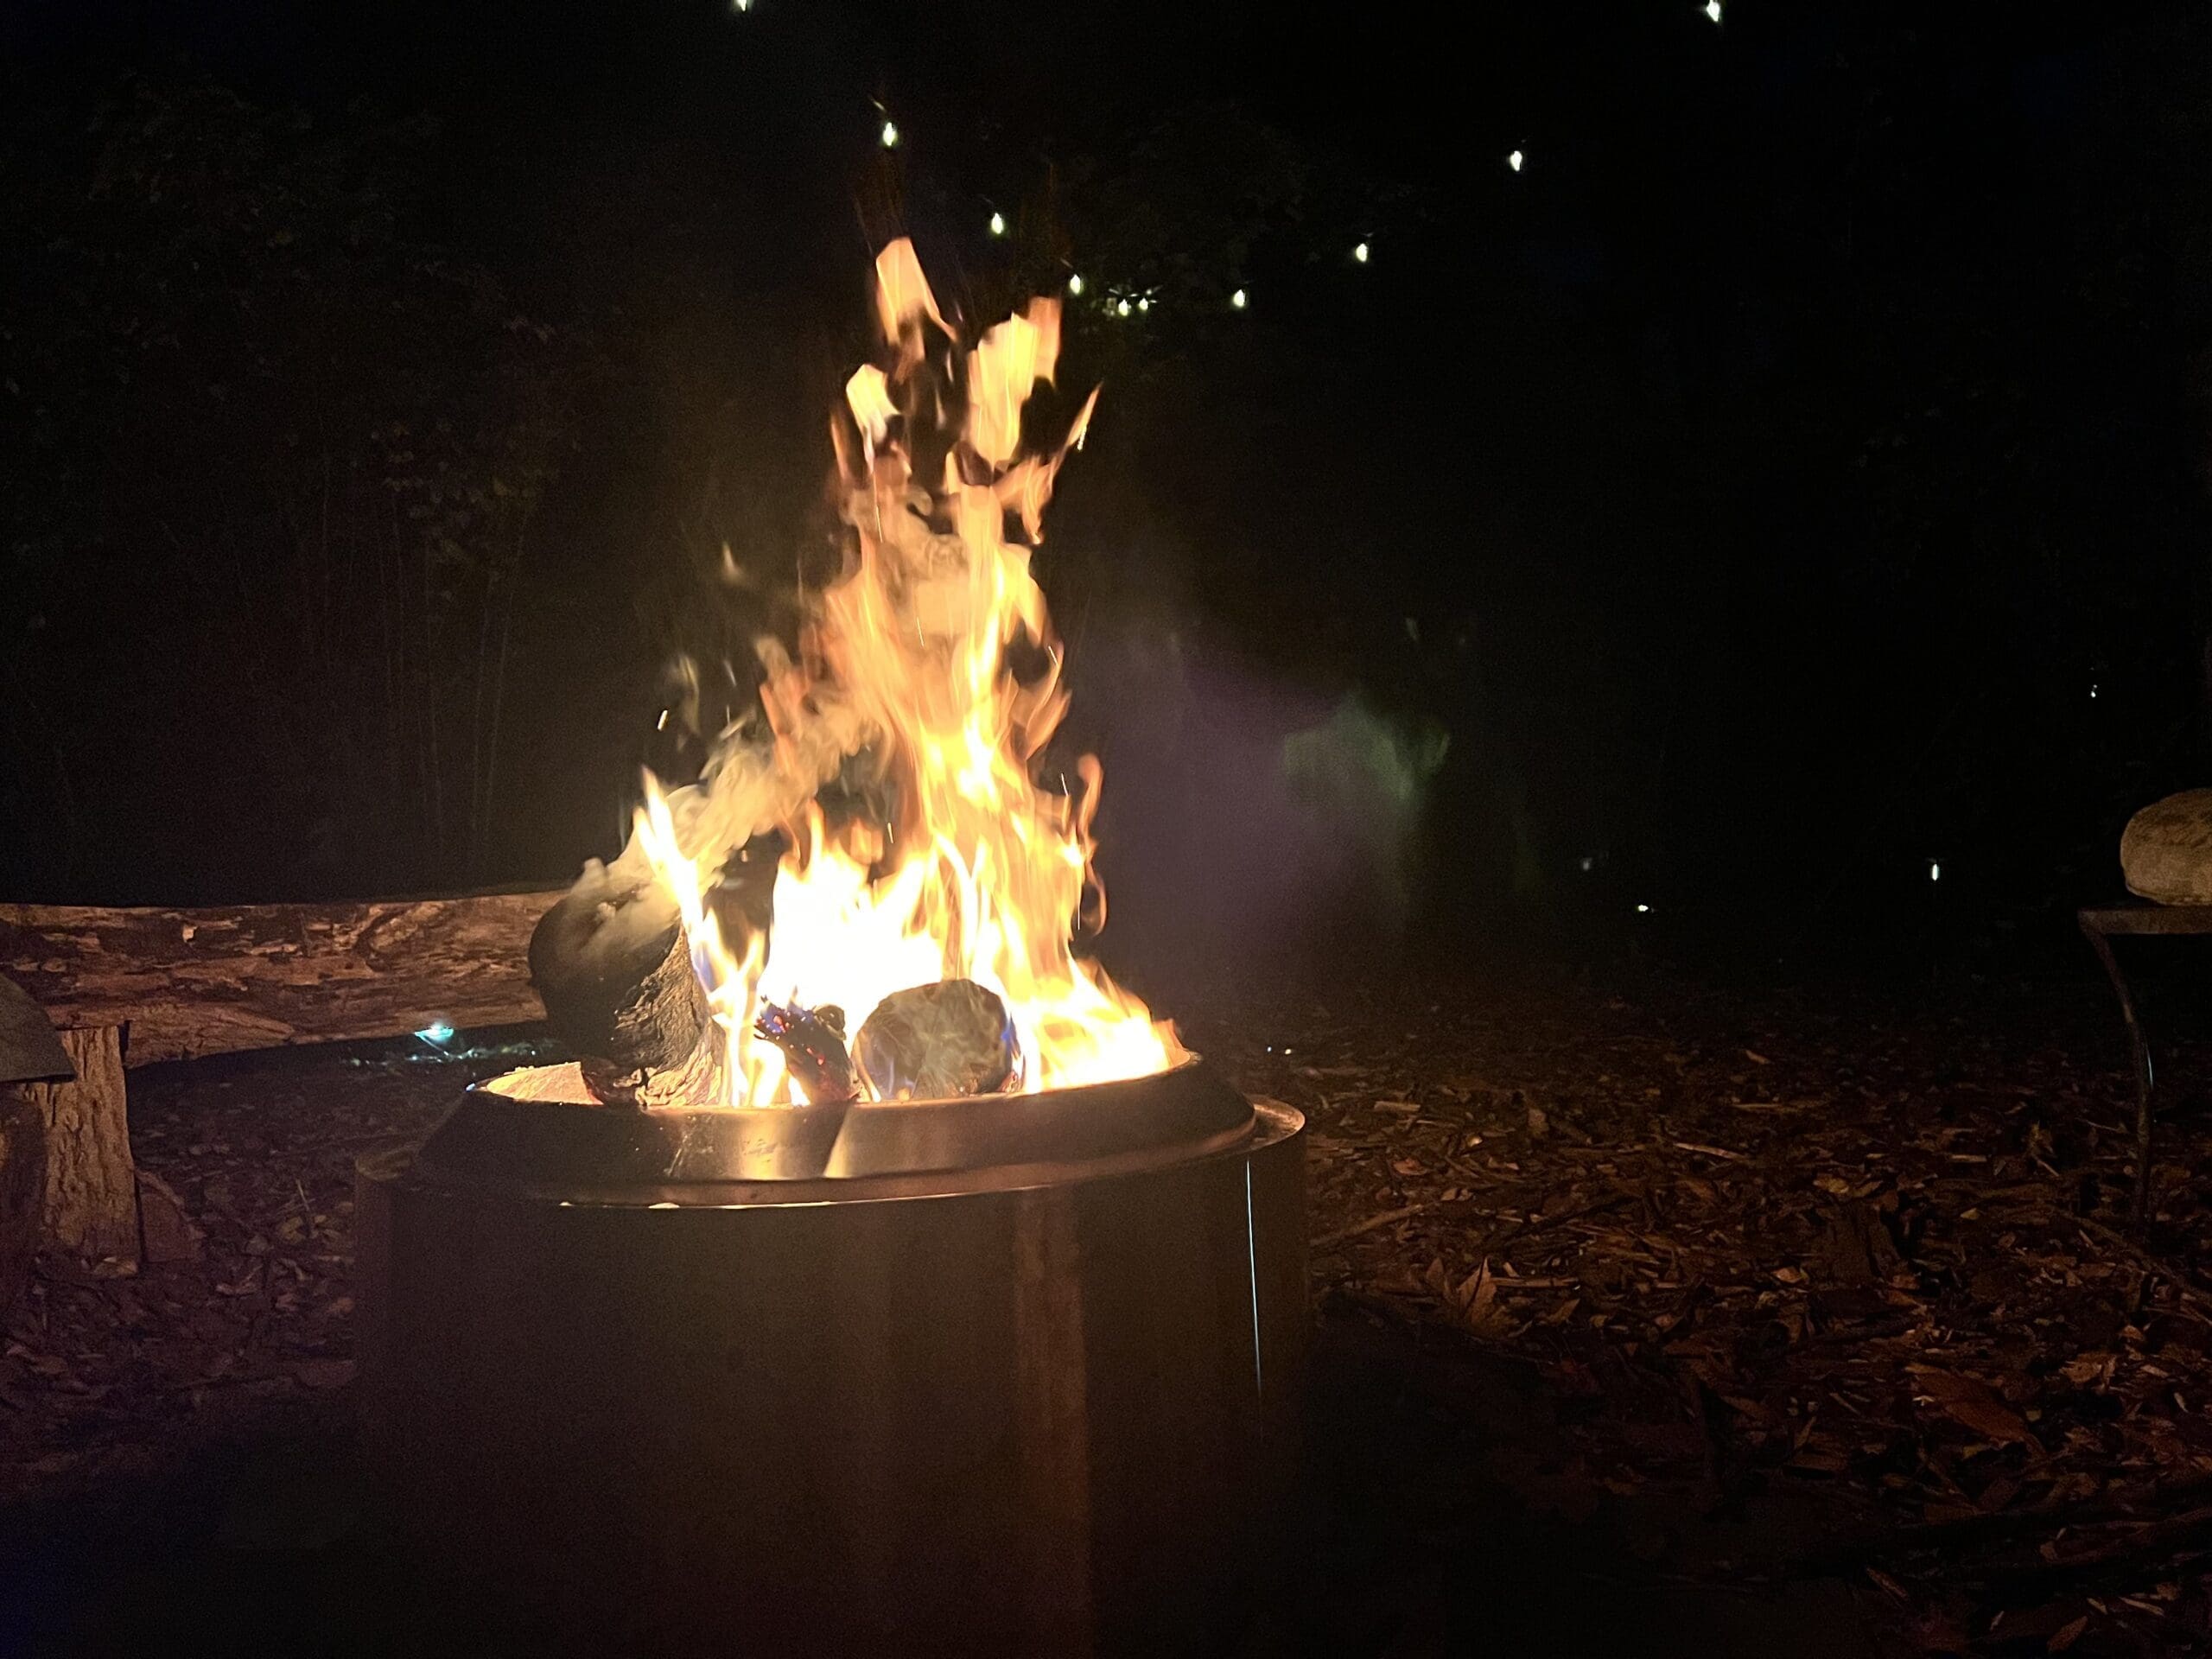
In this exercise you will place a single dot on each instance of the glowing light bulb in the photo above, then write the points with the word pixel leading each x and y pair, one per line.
pixel 1644 910
pixel 889 134
pixel 740 5
pixel 1238 300
pixel 1515 160
pixel 998 224
pixel 1359 252
pixel 1713 9
pixel 1075 284
pixel 1121 309
pixel 1144 304
pixel 1935 871
pixel 2093 691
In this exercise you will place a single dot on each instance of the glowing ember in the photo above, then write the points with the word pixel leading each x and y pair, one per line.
pixel 933 659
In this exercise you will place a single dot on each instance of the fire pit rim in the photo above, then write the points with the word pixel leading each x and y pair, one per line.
pixel 498 1143
pixel 1272 1121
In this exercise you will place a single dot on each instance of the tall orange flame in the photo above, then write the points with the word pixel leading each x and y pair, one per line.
pixel 986 875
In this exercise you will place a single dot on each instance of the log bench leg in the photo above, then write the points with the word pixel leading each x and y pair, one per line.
pixel 91 1187
pixel 23 1190
pixel 2140 1050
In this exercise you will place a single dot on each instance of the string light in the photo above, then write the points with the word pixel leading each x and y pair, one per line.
pixel 1075 284
pixel 1360 254
pixel 1238 299
pixel 1935 871
pixel 1644 910
pixel 1713 9
pixel 1515 160
pixel 1121 308
pixel 889 134
pixel 998 224
pixel 1144 303
pixel 740 5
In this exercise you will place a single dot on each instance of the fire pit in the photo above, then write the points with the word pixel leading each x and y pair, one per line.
pixel 1020 1381
pixel 881 1274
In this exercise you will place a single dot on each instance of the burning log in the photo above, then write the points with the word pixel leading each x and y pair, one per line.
pixel 938 1041
pixel 895 753
pixel 613 965
pixel 614 959
pixel 813 1042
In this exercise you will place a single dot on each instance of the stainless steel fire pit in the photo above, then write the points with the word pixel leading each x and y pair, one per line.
pixel 1005 1375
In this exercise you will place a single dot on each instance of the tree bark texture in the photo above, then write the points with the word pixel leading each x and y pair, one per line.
pixel 613 965
pixel 92 1189
pixel 22 1188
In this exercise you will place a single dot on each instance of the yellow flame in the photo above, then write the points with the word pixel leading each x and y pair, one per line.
pixel 986 875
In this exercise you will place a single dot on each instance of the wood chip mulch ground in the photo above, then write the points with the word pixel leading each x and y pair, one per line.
pixel 1743 1322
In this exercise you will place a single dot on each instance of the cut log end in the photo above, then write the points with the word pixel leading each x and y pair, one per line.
pixel 613 965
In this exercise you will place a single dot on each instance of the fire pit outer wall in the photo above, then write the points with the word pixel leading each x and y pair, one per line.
pixel 1045 1404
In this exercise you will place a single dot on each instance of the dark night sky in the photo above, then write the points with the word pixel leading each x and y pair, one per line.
pixel 1752 487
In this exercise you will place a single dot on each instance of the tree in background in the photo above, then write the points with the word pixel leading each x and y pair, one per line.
pixel 282 462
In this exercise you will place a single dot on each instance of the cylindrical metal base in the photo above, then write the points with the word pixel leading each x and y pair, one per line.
pixel 1045 1409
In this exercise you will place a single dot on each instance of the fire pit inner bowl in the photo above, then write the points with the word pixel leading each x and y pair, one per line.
pixel 495 1137
pixel 1012 1374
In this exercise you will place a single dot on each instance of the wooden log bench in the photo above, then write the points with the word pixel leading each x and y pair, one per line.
pixel 132 986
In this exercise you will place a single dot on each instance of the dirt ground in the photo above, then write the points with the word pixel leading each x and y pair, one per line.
pixel 1650 1319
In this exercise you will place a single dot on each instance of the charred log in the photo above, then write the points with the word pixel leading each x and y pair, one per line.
pixel 613 965
pixel 813 1042
pixel 696 1081
pixel 938 1041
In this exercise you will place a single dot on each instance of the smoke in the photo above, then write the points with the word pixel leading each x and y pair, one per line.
pixel 1248 814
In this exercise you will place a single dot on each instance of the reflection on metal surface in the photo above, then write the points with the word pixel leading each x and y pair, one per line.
pixel 1252 1263
pixel 495 1138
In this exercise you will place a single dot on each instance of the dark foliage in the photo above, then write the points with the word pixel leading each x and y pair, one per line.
pixel 283 459
pixel 1732 512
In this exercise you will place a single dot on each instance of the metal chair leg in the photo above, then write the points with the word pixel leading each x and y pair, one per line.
pixel 2138 1046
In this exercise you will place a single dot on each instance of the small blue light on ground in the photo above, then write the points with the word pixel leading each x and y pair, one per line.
pixel 436 1032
